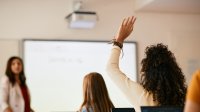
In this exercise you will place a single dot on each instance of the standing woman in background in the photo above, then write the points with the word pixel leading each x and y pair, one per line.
pixel 96 98
pixel 162 81
pixel 15 96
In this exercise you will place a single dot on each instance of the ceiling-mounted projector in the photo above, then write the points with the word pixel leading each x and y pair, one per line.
pixel 82 19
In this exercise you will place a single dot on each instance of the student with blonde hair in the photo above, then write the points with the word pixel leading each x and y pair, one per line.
pixel 95 94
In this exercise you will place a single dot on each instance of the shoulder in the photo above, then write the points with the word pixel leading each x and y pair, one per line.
pixel 195 78
pixel 197 74
pixel 4 82
pixel 194 88
pixel 4 79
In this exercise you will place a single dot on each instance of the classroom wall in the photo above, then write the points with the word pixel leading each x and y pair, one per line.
pixel 44 19
pixel 7 48
pixel 181 32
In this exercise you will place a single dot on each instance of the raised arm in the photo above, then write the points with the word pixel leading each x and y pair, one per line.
pixel 131 89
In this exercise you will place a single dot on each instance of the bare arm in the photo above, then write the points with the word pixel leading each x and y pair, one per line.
pixel 191 107
pixel 193 94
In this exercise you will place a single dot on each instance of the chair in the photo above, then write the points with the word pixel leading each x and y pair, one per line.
pixel 123 110
pixel 161 109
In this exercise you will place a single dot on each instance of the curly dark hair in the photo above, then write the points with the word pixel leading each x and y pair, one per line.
pixel 162 77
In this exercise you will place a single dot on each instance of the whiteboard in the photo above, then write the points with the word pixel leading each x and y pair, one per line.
pixel 55 71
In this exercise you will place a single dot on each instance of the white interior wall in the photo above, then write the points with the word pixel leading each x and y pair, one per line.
pixel 7 48
pixel 45 20
pixel 179 31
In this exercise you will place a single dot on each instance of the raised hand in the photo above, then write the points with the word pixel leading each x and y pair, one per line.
pixel 125 29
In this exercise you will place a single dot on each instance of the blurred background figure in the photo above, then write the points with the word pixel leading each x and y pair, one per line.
pixel 193 94
pixel 15 96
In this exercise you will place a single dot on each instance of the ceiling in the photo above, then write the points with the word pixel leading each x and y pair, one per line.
pixel 171 6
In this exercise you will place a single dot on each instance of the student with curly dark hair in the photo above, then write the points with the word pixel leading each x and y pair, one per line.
pixel 162 77
pixel 162 81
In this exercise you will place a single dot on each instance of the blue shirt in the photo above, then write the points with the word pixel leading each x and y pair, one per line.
pixel 85 110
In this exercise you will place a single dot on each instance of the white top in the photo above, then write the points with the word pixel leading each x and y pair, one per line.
pixel 133 91
pixel 11 96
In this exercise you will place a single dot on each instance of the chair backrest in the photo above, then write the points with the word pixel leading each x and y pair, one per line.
pixel 123 110
pixel 161 109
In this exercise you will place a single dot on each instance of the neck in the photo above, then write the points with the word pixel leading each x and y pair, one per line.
pixel 17 78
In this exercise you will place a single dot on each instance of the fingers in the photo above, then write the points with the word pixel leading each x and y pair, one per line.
pixel 133 20
pixel 129 21
pixel 124 21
